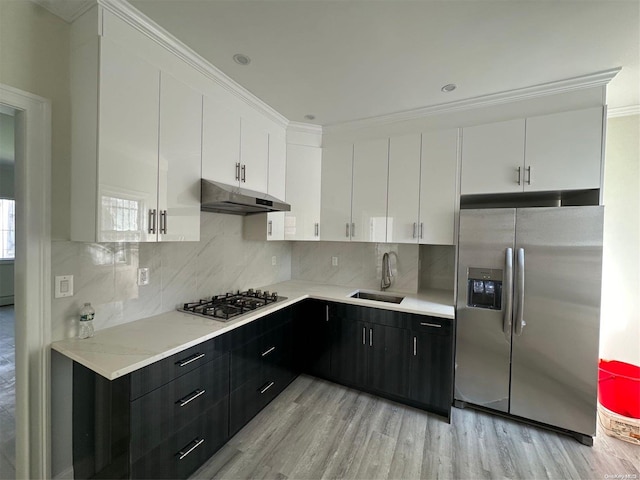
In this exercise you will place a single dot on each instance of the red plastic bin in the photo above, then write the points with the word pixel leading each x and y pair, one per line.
pixel 619 387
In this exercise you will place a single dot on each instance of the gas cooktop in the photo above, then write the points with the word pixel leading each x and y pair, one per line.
pixel 226 307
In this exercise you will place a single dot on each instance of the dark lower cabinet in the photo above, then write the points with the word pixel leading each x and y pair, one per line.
pixel 313 327
pixel 347 361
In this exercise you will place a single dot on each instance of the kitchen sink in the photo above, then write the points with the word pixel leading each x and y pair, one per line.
pixel 378 297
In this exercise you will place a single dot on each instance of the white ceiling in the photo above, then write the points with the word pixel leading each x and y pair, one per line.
pixel 343 60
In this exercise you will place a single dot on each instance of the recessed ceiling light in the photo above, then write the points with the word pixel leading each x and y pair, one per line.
pixel 241 59
pixel 449 87
pixel 310 117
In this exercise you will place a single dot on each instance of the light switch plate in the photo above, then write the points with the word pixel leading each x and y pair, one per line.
pixel 64 286
pixel 143 276
pixel 334 261
pixel 274 260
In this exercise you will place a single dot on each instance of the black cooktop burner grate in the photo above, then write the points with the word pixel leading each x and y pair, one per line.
pixel 230 305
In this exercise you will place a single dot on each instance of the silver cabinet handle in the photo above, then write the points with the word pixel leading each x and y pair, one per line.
pixel 421 230
pixel 507 290
pixel 353 229
pixel 327 312
pixel 268 351
pixel 520 287
pixel 347 230
pixel 271 384
pixel 415 346
pixel 415 229
pixel 194 444
pixel 427 324
pixel 152 221
pixel 187 361
pixel 238 171
pixel 364 336
pixel 270 227
pixel 371 337
pixel 529 175
pixel 316 227
pixel 163 221
pixel 243 175
pixel 519 175
pixel 190 398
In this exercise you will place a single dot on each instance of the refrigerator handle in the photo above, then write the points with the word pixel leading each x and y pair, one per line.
pixel 508 292
pixel 520 323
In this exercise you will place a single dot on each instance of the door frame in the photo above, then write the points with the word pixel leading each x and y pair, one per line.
pixel 32 280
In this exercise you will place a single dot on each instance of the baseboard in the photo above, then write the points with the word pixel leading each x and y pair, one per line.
pixel 65 474
pixel 6 300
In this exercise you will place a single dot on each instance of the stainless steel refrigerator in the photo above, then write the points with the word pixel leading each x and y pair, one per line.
pixel 528 314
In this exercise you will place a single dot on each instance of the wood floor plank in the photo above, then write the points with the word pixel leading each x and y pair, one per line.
pixel 316 429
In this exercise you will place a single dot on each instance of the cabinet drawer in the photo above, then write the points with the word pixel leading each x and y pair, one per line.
pixel 149 378
pixel 186 450
pixel 255 394
pixel 250 360
pixel 163 412
pixel 432 325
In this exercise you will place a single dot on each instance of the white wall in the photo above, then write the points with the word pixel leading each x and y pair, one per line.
pixel 620 320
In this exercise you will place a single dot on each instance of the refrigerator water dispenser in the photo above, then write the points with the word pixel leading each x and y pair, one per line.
pixel 484 288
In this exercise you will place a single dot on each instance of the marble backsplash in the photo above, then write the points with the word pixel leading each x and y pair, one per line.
pixel 437 267
pixel 359 264
pixel 106 274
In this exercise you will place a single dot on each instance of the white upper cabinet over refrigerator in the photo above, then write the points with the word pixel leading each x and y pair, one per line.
pixel 369 195
pixel 179 161
pixel 335 208
pixel 404 189
pixel 304 164
pixel 438 182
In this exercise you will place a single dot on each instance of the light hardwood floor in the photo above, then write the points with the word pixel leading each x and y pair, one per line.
pixel 317 429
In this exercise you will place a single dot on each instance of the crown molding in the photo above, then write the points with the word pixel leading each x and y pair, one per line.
pixel 146 26
pixel 300 127
pixel 551 88
pixel 623 111
pixel 67 10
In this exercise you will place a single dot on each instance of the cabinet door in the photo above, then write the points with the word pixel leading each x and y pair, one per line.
pixel 438 180
pixel 335 208
pixel 564 151
pixel 179 162
pixel 348 363
pixel 493 158
pixel 127 146
pixel 220 142
pixel 432 370
pixel 369 203
pixel 404 189
pixel 254 156
pixel 277 183
pixel 313 327
pixel 388 359
pixel 304 165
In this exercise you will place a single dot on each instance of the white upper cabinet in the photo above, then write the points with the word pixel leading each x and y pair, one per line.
pixel 254 156
pixel 179 161
pixel 564 151
pixel 220 143
pixel 304 166
pixel 561 151
pixel 493 158
pixel 335 208
pixel 369 195
pixel 404 189
pixel 127 157
pixel 438 181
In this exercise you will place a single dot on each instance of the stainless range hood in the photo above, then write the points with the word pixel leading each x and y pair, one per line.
pixel 221 198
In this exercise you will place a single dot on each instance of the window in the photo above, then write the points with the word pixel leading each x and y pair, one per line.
pixel 7 229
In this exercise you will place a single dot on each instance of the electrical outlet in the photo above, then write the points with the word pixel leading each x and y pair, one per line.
pixel 334 261
pixel 64 286
pixel 143 276
pixel 274 260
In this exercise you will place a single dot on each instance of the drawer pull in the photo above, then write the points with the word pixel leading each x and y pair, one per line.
pixel 191 447
pixel 425 324
pixel 271 384
pixel 187 361
pixel 191 397
pixel 264 354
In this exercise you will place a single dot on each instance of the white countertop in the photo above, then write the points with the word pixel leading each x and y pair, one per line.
pixel 120 350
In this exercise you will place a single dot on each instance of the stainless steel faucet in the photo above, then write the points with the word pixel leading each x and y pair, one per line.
pixel 385 282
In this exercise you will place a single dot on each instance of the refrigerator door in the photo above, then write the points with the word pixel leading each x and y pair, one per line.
pixel 555 343
pixel 483 348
